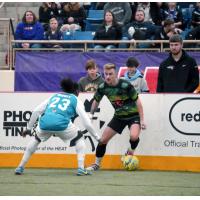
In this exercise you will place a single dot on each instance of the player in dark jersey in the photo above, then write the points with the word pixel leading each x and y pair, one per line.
pixel 128 111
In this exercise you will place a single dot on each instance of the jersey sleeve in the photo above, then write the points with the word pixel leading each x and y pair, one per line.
pixel 85 119
pixel 36 113
pixel 99 93
pixel 132 92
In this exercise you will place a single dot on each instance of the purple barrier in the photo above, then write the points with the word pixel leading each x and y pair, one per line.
pixel 42 71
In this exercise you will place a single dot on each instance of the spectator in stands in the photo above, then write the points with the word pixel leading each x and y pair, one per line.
pixel 135 76
pixel 139 29
pixel 174 13
pixel 73 16
pixel 109 30
pixel 196 15
pixel 29 29
pixel 93 79
pixel 166 31
pixel 151 11
pixel 122 11
pixel 179 72
pixel 47 11
pixel 53 33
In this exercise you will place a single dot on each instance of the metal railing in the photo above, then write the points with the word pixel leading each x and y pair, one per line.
pixel 87 43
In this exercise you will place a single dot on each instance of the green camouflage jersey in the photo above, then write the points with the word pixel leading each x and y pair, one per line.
pixel 123 97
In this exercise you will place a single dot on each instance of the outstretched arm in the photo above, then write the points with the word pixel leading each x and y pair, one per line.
pixel 86 120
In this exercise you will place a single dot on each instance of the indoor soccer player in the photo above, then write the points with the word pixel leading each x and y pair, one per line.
pixel 55 116
pixel 128 111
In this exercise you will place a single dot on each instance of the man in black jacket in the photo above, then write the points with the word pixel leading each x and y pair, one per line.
pixel 179 72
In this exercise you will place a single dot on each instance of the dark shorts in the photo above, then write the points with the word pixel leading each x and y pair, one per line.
pixel 118 124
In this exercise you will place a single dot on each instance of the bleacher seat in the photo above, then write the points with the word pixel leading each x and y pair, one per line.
pixel 95 16
pixel 94 19
pixel 84 35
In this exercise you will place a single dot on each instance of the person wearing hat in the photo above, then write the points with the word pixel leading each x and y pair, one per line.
pixel 134 76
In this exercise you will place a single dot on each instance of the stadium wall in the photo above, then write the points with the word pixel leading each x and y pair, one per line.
pixel 170 142
pixel 6 80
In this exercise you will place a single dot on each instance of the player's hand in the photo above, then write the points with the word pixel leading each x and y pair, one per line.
pixel 26 132
pixel 143 125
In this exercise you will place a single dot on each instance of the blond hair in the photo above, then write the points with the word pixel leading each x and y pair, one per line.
pixel 109 66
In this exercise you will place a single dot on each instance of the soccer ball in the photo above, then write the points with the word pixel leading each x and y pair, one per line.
pixel 130 162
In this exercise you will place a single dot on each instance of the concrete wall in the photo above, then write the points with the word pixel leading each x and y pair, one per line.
pixel 6 81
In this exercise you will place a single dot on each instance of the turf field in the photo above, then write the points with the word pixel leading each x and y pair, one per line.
pixel 61 182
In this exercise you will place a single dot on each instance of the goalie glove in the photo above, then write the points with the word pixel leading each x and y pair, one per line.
pixel 26 132
pixel 131 31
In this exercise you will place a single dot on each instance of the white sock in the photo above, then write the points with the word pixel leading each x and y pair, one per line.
pixel 30 149
pixel 98 160
pixel 80 150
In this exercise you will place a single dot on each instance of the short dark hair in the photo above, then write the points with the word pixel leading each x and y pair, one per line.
pixel 168 22
pixel 69 86
pixel 132 62
pixel 176 38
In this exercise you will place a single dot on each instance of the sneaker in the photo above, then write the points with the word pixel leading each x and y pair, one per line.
pixel 129 152
pixel 83 172
pixel 93 167
pixel 19 170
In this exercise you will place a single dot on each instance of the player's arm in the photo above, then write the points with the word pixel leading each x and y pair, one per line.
pixel 86 120
pixel 141 113
pixel 35 114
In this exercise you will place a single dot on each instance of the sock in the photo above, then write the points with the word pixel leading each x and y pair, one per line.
pixel 80 150
pixel 98 160
pixel 30 149
pixel 100 151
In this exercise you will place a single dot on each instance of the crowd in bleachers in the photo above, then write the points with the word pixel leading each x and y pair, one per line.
pixel 110 21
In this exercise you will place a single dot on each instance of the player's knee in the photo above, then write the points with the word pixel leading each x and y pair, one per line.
pixel 134 143
pixel 101 149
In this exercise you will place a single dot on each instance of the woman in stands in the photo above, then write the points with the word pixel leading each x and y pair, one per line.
pixel 109 30
pixel 29 29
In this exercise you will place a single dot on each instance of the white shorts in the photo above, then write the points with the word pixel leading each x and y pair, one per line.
pixel 70 133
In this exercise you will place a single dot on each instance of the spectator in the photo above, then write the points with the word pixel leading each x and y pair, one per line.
pixel 134 76
pixel 47 11
pixel 109 30
pixel 122 11
pixel 166 31
pixel 139 29
pixel 73 13
pixel 196 15
pixel 174 13
pixel 93 79
pixel 179 72
pixel 29 29
pixel 53 33
pixel 151 11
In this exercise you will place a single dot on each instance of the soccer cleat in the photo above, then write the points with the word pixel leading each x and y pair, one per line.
pixel 83 172
pixel 129 152
pixel 93 167
pixel 19 170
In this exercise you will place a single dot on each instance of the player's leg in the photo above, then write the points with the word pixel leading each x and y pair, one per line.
pixel 134 138
pixel 114 126
pixel 75 138
pixel 31 148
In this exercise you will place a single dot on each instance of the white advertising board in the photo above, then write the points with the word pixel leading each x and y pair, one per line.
pixel 173 125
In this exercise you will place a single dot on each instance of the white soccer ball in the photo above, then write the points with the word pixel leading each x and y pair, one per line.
pixel 130 162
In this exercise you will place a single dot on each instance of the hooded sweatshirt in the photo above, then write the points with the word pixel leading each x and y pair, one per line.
pixel 86 84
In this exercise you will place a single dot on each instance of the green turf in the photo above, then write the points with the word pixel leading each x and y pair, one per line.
pixel 62 182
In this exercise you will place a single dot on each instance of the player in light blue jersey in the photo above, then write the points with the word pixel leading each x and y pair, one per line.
pixel 55 118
